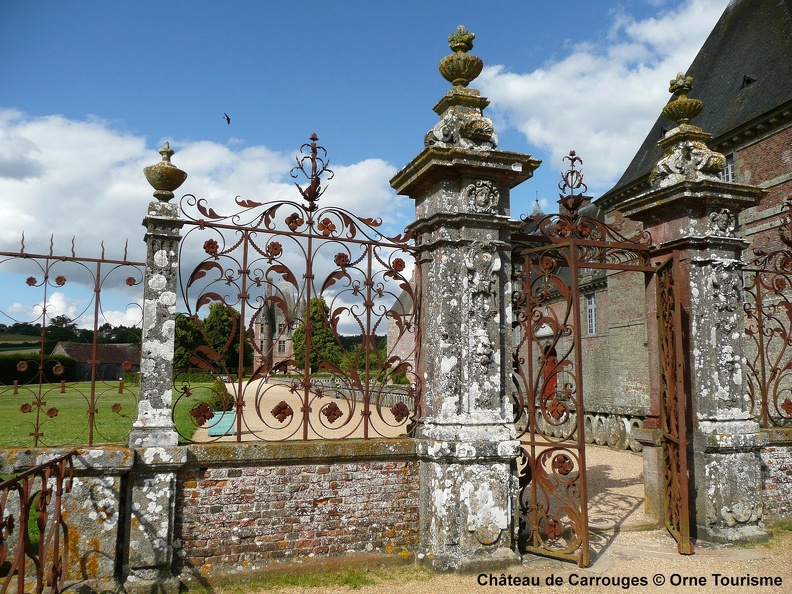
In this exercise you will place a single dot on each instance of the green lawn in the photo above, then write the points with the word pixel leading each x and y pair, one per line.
pixel 19 343
pixel 19 338
pixel 70 426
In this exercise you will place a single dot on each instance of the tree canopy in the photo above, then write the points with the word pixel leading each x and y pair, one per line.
pixel 214 340
pixel 316 332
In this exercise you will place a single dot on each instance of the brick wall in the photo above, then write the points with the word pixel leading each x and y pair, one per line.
pixel 777 474
pixel 766 162
pixel 295 501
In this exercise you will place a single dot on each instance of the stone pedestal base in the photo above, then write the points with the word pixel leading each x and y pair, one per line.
pixel 468 492
pixel 148 436
pixel 151 582
pixel 151 498
pixel 727 475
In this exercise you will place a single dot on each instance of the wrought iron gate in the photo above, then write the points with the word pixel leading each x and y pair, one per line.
pixel 287 275
pixel 673 412
pixel 551 469
pixel 550 254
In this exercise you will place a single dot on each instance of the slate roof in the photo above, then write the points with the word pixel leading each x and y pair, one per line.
pixel 108 353
pixel 752 40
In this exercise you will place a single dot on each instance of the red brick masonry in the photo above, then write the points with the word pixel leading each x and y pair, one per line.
pixel 246 506
pixel 777 475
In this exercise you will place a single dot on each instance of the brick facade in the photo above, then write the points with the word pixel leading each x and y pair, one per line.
pixel 766 162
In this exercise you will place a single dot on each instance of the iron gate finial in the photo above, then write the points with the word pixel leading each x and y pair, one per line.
pixel 318 166
pixel 571 180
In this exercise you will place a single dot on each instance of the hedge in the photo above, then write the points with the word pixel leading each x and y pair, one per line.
pixel 25 370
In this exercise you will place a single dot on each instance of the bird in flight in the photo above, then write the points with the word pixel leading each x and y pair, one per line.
pixel 226 118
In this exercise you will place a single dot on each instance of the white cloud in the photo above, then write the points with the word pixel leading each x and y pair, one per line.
pixel 130 317
pixel 363 189
pixel 602 98
pixel 84 180
pixel 77 306
pixel 58 304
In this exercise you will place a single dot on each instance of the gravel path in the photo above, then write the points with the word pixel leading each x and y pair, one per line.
pixel 259 423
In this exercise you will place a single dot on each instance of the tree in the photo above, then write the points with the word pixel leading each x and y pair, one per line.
pixel 122 334
pixel 211 339
pixel 221 331
pixel 187 338
pixel 61 329
pixel 355 356
pixel 324 347
pixel 64 322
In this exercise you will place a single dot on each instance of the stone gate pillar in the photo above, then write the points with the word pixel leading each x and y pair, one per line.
pixel 154 426
pixel 691 212
pixel 461 184
pixel 151 489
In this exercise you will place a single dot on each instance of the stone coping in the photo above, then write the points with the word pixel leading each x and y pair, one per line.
pixel 435 164
pixel 694 195
pixel 115 459
pixel 776 436
pixel 89 460
pixel 287 452
pixel 469 451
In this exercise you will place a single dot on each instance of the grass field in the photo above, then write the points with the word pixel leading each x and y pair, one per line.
pixel 113 419
pixel 19 343
pixel 19 338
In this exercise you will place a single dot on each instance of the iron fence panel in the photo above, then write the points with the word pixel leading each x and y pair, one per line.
pixel 60 383
pixel 293 281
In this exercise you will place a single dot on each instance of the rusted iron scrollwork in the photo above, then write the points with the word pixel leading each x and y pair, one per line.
pixel 551 252
pixel 768 326
pixel 673 414
pixel 294 278
pixel 599 244
pixel 34 538
pixel 40 384
pixel 553 514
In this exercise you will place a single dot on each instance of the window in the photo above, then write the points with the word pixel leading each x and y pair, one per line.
pixel 591 314
pixel 281 346
pixel 281 327
pixel 727 174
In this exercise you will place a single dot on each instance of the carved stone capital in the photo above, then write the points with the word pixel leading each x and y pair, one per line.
pixel 722 223
pixel 482 196
pixel 688 159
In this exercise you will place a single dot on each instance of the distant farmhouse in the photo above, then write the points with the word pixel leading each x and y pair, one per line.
pixel 113 360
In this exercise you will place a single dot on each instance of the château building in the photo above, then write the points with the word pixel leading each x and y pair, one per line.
pixel 274 325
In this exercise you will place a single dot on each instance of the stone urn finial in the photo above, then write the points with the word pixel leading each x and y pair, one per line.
pixel 461 67
pixel 164 177
pixel 682 109
pixel 686 154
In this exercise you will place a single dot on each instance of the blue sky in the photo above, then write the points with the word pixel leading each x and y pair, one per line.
pixel 91 90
